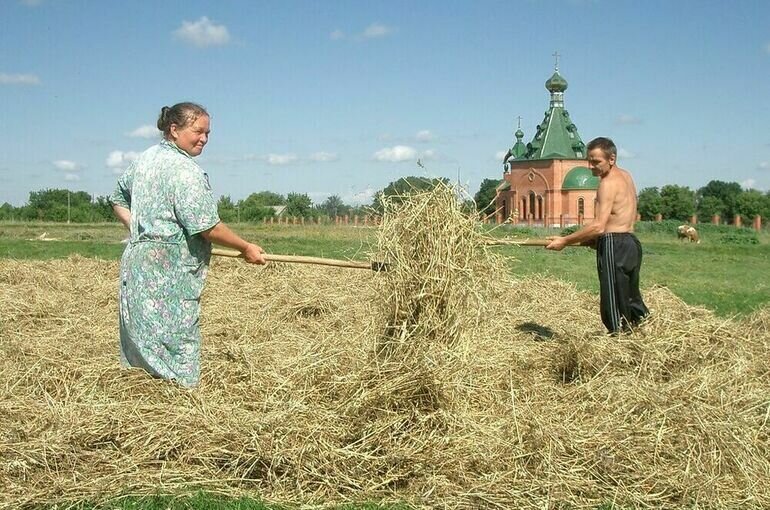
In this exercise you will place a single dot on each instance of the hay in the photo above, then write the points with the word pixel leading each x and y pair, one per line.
pixel 443 383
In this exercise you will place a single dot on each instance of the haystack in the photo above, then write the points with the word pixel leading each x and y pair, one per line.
pixel 443 382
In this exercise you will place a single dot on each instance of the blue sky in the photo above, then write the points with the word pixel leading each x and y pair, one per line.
pixel 342 97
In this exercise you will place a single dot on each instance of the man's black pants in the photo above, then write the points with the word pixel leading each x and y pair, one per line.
pixel 618 261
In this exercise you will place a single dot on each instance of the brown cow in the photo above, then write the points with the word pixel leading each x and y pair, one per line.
pixel 688 232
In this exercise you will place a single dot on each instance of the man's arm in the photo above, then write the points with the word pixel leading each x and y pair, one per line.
pixel 605 196
pixel 123 214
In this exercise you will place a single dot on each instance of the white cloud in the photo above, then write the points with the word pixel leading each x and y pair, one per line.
pixel 625 154
pixel 499 155
pixel 763 165
pixel 146 131
pixel 364 196
pixel 424 136
pixel 767 48
pixel 748 184
pixel 429 154
pixel 395 154
pixel 281 159
pixel 119 160
pixel 376 30
pixel 71 177
pixel 337 35
pixel 19 79
pixel 324 157
pixel 627 120
pixel 202 33
pixel 63 164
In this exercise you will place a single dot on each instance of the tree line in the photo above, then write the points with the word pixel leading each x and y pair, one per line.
pixel 62 205
pixel 727 199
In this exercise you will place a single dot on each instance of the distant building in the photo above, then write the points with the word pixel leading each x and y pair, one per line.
pixel 547 181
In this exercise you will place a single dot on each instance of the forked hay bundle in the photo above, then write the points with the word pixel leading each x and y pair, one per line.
pixel 519 401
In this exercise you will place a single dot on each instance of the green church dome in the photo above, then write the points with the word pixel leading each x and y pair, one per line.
pixel 580 177
pixel 556 83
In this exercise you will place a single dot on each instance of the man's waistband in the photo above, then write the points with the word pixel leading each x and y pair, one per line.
pixel 609 235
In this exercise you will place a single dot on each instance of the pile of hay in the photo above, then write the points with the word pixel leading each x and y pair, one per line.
pixel 442 382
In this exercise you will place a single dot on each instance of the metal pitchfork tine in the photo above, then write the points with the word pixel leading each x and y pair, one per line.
pixel 297 259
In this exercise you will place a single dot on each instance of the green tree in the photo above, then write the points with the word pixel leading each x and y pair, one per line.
pixel 227 210
pixel 727 192
pixel 649 203
pixel 298 205
pixel 8 212
pixel 334 206
pixel 485 196
pixel 751 203
pixel 678 202
pixel 103 209
pixel 259 206
pixel 709 206
pixel 267 198
pixel 60 205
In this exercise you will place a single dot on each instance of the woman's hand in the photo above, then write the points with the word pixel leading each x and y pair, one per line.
pixel 253 254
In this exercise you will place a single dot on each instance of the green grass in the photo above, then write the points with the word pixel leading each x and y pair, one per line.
pixel 727 279
pixel 104 240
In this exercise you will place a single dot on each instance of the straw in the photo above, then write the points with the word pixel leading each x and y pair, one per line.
pixel 444 382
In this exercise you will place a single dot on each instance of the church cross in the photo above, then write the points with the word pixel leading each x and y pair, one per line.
pixel 519 117
pixel 556 56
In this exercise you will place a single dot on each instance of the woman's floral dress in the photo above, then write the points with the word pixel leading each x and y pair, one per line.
pixel 164 265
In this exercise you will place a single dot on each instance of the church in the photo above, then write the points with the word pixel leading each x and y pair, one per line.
pixel 547 181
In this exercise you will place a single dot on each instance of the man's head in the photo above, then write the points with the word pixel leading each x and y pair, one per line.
pixel 602 154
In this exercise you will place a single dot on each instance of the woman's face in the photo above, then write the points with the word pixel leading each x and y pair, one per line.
pixel 193 137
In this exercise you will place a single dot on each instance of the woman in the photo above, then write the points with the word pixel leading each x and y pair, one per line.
pixel 165 201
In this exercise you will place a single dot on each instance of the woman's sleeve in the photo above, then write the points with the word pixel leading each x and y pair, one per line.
pixel 194 204
pixel 121 196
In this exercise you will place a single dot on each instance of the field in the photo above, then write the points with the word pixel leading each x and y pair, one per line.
pixel 721 277
pixel 539 409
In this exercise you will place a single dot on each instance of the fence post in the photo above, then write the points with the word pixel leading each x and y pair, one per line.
pixel 738 221
pixel 715 219
pixel 757 222
pixel 694 219
pixel 658 217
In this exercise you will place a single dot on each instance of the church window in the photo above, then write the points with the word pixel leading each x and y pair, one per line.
pixel 581 207
pixel 532 202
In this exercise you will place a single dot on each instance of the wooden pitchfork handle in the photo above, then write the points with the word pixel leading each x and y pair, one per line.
pixel 522 242
pixel 374 266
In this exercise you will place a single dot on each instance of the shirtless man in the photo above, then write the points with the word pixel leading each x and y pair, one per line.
pixel 618 251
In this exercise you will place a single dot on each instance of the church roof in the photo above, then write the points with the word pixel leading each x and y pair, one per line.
pixel 580 177
pixel 557 136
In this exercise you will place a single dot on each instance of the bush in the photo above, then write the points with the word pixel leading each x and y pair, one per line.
pixel 569 230
pixel 658 227
pixel 739 236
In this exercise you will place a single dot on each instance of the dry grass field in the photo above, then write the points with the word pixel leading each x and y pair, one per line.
pixel 445 382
